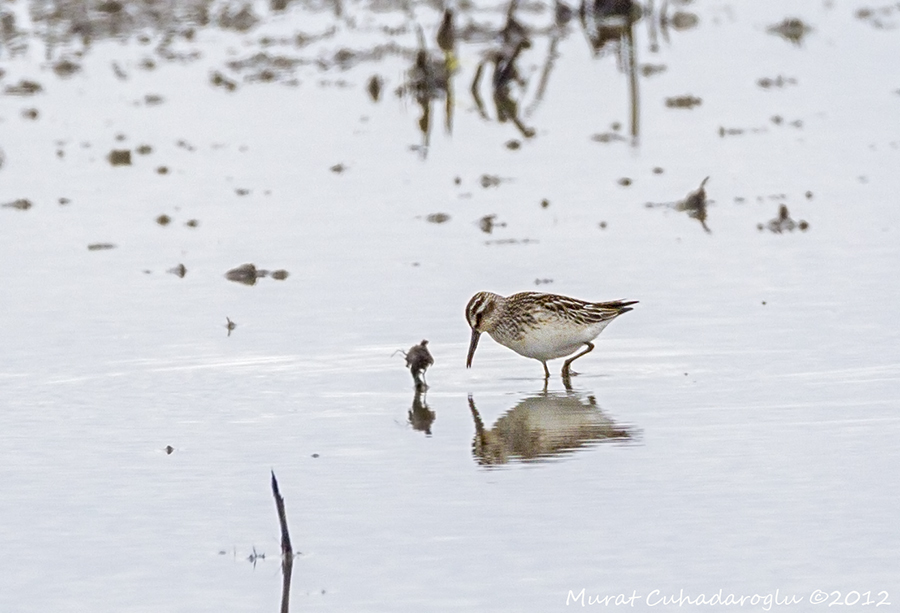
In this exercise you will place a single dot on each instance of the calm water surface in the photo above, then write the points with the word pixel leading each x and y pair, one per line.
pixel 736 431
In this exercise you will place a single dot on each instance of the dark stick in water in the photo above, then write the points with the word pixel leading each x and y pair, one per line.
pixel 287 552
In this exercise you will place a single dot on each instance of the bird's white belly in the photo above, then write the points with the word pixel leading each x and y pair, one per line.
pixel 547 342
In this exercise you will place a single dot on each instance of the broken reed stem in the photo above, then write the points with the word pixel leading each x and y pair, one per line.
pixel 287 552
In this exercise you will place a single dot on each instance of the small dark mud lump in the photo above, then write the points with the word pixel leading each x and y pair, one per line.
pixel 784 223
pixel 418 359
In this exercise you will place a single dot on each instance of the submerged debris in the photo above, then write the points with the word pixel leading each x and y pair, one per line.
pixel 230 325
pixel 608 137
pixel 783 223
pixel 779 81
pixel 217 79
pixel 648 70
pixel 488 223
pixel 245 273
pixel 23 88
pixel 682 20
pixel 374 86
pixel 683 102
pixel 437 218
pixel 22 204
pixel 178 271
pixel 241 20
pixel 880 17
pixel 512 241
pixel 120 157
pixel 792 29
pixel 249 273
pixel 694 204
pixel 100 246
pixel 490 181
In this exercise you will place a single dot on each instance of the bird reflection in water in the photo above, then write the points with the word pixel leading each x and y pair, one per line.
pixel 420 416
pixel 544 426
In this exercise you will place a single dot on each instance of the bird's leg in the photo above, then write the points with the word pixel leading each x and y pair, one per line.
pixel 565 370
pixel 546 370
pixel 567 382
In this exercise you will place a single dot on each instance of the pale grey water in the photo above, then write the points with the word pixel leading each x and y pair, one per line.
pixel 754 389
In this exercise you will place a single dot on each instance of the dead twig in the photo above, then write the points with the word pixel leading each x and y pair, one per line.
pixel 287 552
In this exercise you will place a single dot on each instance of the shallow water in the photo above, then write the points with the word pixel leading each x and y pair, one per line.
pixel 736 431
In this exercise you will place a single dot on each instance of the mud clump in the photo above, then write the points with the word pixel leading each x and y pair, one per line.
pixel 179 271
pixel 418 359
pixel 217 79
pixel 249 273
pixel 607 137
pixel 23 88
pixel 683 102
pixel 240 21
pixel 437 218
pixel 694 204
pixel 783 223
pixel 374 87
pixel 792 29
pixel 648 70
pixel 119 157
pixel 164 220
pixel 488 223
pixel 22 204
pixel 65 68
pixel 682 20
pixel 777 82
pixel 490 181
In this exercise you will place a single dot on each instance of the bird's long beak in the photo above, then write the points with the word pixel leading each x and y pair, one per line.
pixel 472 345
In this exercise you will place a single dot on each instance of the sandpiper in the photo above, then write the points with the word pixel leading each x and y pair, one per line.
pixel 540 326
